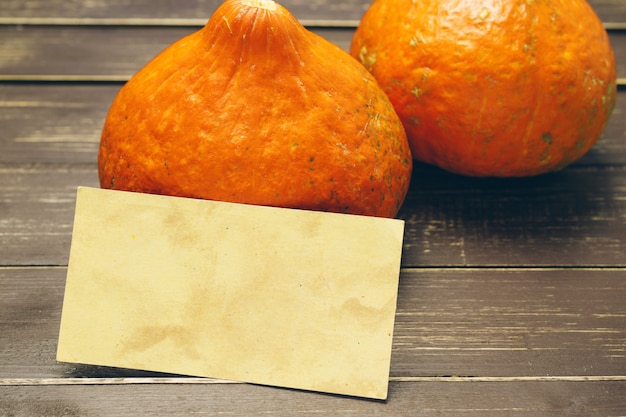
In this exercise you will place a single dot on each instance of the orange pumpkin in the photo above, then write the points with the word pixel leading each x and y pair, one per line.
pixel 492 87
pixel 253 108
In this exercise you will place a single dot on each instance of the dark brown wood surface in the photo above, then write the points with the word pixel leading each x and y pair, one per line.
pixel 308 10
pixel 512 296
pixel 115 52
pixel 495 322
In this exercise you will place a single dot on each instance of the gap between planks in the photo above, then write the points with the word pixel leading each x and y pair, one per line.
pixel 470 268
pixel 167 22
pixel 96 21
pixel 209 381
pixel 73 78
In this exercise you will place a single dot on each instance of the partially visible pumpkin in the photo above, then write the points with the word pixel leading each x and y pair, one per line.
pixel 492 87
pixel 254 108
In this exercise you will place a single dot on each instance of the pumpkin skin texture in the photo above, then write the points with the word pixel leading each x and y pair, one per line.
pixel 505 88
pixel 253 108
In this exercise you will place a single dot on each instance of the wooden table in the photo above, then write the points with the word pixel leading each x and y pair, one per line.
pixel 513 291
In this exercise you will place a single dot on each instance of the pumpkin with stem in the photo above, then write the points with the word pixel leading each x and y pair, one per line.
pixel 253 108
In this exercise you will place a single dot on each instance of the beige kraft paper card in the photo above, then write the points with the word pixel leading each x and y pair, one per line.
pixel 281 297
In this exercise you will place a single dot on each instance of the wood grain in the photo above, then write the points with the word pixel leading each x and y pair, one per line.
pixel 102 52
pixel 574 217
pixel 425 399
pixel 53 123
pixel 511 299
pixel 37 212
pixel 450 322
pixel 186 9
pixel 569 218
pixel 607 10
pixel 61 123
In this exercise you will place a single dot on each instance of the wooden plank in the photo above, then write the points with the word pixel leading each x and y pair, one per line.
pixel 30 315
pixel 544 399
pixel 61 123
pixel 37 211
pixel 449 322
pixel 53 123
pixel 510 322
pixel 510 327
pixel 574 217
pixel 451 220
pixel 182 9
pixel 101 52
pixel 607 10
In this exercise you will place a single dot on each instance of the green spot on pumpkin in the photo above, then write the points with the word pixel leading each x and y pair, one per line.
pixel 367 59
pixel 417 39
pixel 547 138
pixel 417 92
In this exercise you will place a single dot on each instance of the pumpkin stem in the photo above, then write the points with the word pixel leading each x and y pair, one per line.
pixel 262 4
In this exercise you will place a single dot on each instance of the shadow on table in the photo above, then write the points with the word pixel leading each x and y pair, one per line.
pixel 570 217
